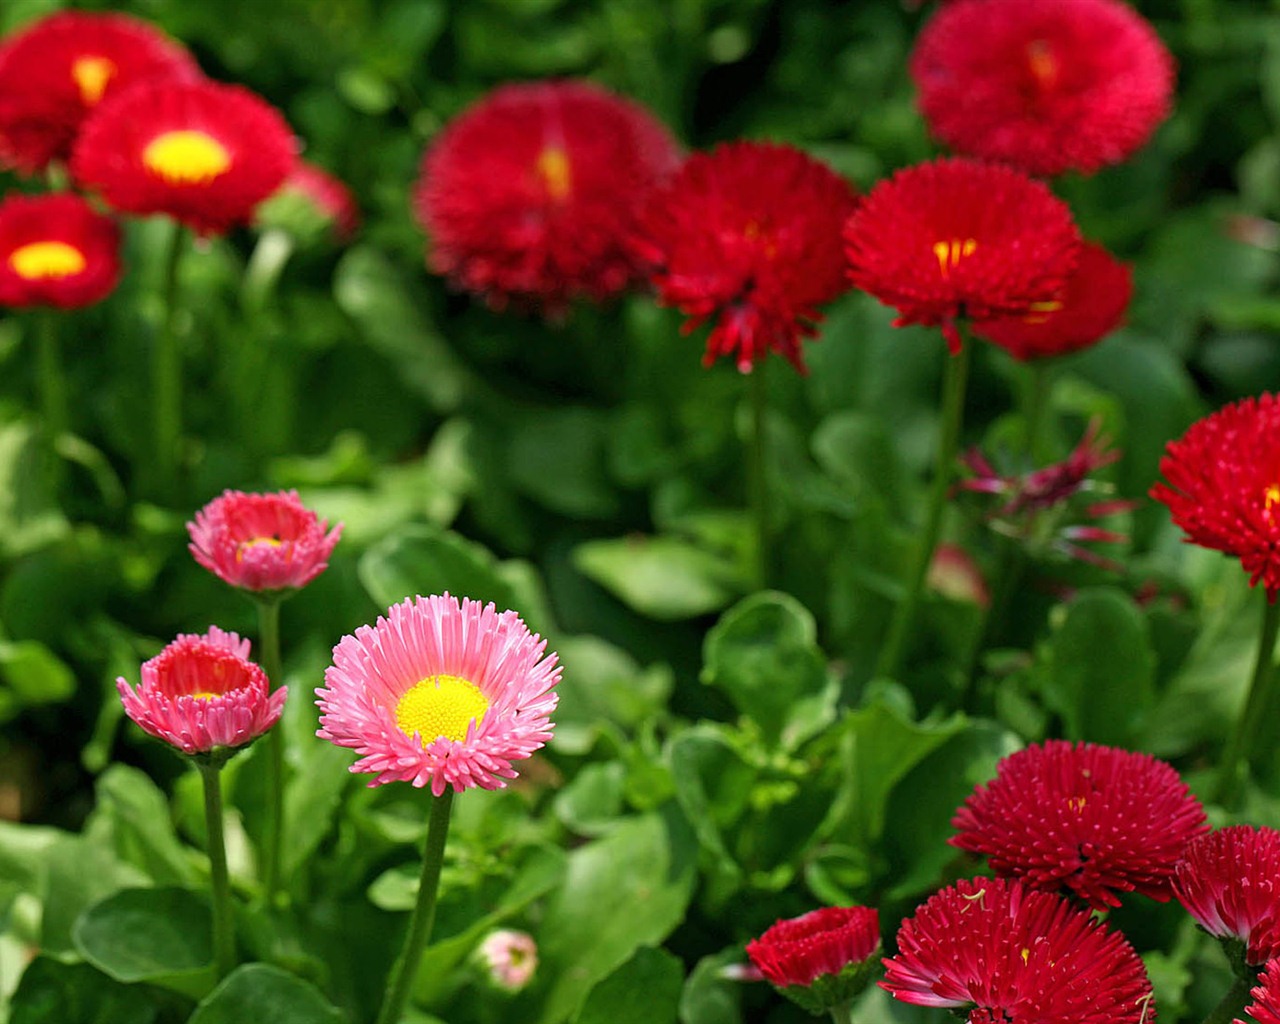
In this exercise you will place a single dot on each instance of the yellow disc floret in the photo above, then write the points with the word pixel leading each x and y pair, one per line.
pixel 186 157
pixel 92 74
pixel 440 706
pixel 555 172
pixel 39 261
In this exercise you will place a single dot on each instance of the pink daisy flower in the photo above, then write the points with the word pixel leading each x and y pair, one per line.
pixel 203 692
pixel 441 693
pixel 262 542
pixel 1265 1008
pixel 1229 881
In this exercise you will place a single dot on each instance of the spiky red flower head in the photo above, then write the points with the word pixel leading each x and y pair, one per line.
pixel 1224 486
pixel 1265 1008
pixel 748 237
pixel 531 196
pixel 204 153
pixel 1229 881
pixel 1092 820
pixel 1006 953
pixel 1090 308
pixel 310 195
pixel 54 71
pixel 1047 87
pixel 56 250
pixel 958 238
pixel 821 959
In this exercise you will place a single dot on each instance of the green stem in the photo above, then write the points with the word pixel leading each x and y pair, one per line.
pixel 842 1013
pixel 424 912
pixel 264 268
pixel 953 388
pixel 1235 756
pixel 1232 1004
pixel 1035 408
pixel 1008 573
pixel 758 472
pixel 269 639
pixel 166 372
pixel 224 943
pixel 53 382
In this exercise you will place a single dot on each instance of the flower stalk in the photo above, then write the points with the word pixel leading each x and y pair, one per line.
pixel 166 371
pixel 269 639
pixel 224 948
pixel 757 470
pixel 1235 756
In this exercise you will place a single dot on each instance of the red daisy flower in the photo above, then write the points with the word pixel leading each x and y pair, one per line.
pixel 56 250
pixel 1047 87
pixel 1090 308
pixel 957 238
pixel 1224 480
pixel 313 194
pixel 1265 1008
pixel 820 959
pixel 749 236
pixel 1093 820
pixel 1229 881
pixel 204 153
pixel 532 195
pixel 1007 953
pixel 55 71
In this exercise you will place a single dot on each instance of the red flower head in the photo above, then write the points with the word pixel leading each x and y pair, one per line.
pixel 957 238
pixel 1265 1008
pixel 56 250
pixel 1090 308
pixel 1224 485
pixel 202 693
pixel 748 236
pixel 262 542
pixel 1011 954
pixel 532 195
pixel 821 959
pixel 1047 87
pixel 204 153
pixel 1229 881
pixel 311 195
pixel 1093 820
pixel 55 71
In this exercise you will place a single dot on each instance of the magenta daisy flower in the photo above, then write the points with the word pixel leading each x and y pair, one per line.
pixel 821 959
pixel 1229 881
pixel 262 542
pixel 202 693
pixel 441 693
pixel 996 951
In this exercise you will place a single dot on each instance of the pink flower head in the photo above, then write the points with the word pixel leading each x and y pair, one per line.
pixel 1265 1008
pixel 262 542
pixel 820 959
pixel 1229 881
pixel 202 692
pixel 1000 952
pixel 510 957
pixel 1091 820
pixel 440 693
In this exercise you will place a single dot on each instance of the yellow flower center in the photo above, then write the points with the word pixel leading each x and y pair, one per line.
pixel 186 157
pixel 440 706
pixel 1076 803
pixel 555 172
pixel 950 253
pixel 1043 64
pixel 1041 311
pixel 1270 496
pixel 256 542
pixel 92 74
pixel 39 261
pixel 205 695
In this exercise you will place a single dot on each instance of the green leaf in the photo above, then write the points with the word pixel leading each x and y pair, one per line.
pixel 24 851
pixel 34 674
pixel 160 936
pixel 56 993
pixel 133 815
pixel 70 889
pixel 29 516
pixel 644 990
pixel 664 578
pixel 593 800
pixel 1101 668
pixel 709 997
pixel 713 784
pixel 265 993
pixel 557 457
pixel 605 685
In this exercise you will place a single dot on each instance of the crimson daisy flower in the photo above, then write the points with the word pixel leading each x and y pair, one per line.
pixel 262 542
pixel 1224 480
pixel 1229 881
pixel 204 153
pixel 532 195
pixel 56 250
pixel 1047 87
pixel 1001 952
pixel 748 237
pixel 1265 1008
pixel 202 693
pixel 54 71
pixel 1092 820
pixel 440 693
pixel 957 238
pixel 1089 308
pixel 820 959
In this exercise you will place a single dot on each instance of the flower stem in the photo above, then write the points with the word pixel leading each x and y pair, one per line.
pixel 264 268
pixel 224 943
pixel 953 388
pixel 842 1013
pixel 758 472
pixel 53 382
pixel 269 638
pixel 166 372
pixel 1035 409
pixel 1235 757
pixel 1232 1004
pixel 424 912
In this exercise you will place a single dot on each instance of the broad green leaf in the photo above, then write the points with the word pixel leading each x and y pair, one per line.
pixel 70 889
pixel 29 516
pixel 24 851
pixel 604 684
pixel 57 993
pixel 708 997
pixel 644 990
pixel 590 802
pixel 664 578
pixel 713 784
pixel 856 451
pixel 557 457
pixel 34 674
pixel 133 816
pixel 260 992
